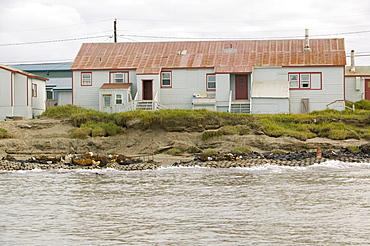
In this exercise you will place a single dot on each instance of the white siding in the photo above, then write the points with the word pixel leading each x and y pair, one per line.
pixel 270 106
pixel 88 96
pixel 185 83
pixel 222 91
pixel 5 88
pixel 5 94
pixel 64 97
pixel 355 88
pixel 38 103
pixel 332 85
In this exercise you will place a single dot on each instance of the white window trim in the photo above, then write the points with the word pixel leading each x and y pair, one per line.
pixel 118 98
pixel 34 90
pixel 162 79
pixel 113 77
pixel 311 82
pixel 84 80
pixel 208 81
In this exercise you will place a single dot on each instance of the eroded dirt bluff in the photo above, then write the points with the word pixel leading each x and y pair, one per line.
pixel 53 136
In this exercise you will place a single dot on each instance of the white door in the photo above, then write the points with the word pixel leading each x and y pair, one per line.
pixel 107 103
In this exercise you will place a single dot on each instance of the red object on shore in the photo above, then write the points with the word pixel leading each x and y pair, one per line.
pixel 318 152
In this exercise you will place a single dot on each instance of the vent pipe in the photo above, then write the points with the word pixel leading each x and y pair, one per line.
pixel 307 40
pixel 353 68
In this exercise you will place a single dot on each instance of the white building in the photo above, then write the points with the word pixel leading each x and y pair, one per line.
pixel 21 94
pixel 254 76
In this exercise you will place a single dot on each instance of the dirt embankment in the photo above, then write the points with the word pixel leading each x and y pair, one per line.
pixel 53 136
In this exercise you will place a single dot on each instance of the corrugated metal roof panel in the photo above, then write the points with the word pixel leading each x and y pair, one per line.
pixel 220 55
pixel 35 67
pixel 60 83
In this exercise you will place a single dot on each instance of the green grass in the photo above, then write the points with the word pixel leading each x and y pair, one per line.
pixel 327 123
pixel 4 134
pixel 363 104
pixel 242 150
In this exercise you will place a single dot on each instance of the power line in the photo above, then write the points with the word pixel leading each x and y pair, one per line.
pixel 54 27
pixel 55 41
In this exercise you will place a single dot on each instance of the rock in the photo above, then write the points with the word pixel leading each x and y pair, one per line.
pixel 365 148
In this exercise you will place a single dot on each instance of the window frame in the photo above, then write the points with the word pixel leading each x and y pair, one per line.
pixel 34 90
pixel 112 77
pixel 82 78
pixel 302 82
pixel 208 81
pixel 162 79
pixel 115 98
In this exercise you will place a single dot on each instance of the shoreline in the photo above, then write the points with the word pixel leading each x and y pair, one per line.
pixel 167 161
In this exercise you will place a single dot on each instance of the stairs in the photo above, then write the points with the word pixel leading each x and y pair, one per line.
pixel 147 105
pixel 240 107
pixel 144 104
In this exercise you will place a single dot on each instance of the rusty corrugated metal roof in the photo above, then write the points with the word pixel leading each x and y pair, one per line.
pixel 223 56
pixel 113 86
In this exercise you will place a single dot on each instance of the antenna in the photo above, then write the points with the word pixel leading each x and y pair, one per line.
pixel 115 30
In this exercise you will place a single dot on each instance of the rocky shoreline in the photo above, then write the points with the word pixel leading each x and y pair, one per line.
pixel 217 160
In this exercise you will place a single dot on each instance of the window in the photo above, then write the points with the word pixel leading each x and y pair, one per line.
pixel 119 99
pixel 211 82
pixel 86 79
pixel 34 90
pixel 166 79
pixel 293 78
pixel 119 77
pixel 106 101
pixel 305 80
pixel 49 93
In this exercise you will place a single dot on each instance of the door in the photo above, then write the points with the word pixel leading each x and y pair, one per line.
pixel 367 89
pixel 305 105
pixel 107 103
pixel 241 87
pixel 147 89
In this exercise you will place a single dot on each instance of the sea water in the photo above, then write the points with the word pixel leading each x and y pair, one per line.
pixel 323 204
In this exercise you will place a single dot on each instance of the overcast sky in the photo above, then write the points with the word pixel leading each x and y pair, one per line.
pixel 53 30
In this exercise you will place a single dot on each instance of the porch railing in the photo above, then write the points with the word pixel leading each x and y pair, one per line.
pixel 344 102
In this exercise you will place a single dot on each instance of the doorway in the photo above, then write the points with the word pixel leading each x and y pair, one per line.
pixel 367 89
pixel 147 89
pixel 241 87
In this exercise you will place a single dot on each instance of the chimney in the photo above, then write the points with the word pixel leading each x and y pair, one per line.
pixel 307 41
pixel 353 68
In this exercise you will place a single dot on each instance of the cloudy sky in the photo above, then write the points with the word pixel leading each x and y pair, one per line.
pixel 53 30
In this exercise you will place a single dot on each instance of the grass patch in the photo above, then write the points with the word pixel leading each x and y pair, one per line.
pixel 363 104
pixel 210 152
pixel 4 134
pixel 327 123
pixel 211 134
pixel 81 133
pixel 353 149
pixel 242 150
pixel 96 129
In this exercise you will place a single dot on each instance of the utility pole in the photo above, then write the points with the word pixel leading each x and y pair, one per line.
pixel 115 30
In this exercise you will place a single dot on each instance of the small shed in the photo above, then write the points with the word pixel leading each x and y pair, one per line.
pixel 270 97
pixel 113 97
